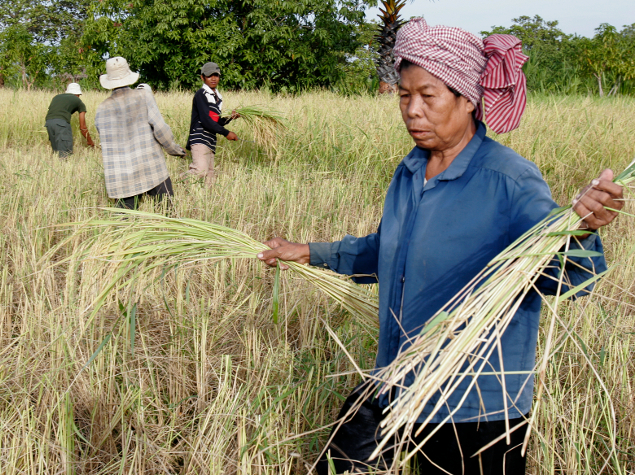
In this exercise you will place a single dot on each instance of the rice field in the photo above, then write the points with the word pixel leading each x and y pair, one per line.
pixel 194 374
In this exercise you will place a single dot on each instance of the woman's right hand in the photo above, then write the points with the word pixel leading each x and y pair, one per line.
pixel 285 251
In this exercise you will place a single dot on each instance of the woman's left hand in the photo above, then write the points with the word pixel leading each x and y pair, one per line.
pixel 235 115
pixel 592 202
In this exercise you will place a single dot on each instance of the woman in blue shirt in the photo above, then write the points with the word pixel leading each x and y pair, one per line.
pixel 455 202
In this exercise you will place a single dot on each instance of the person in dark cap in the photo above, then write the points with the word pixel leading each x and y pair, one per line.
pixel 206 122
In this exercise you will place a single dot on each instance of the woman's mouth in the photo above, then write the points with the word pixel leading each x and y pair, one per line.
pixel 419 133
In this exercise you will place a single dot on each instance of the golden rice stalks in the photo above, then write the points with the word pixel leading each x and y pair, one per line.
pixel 457 342
pixel 125 249
pixel 264 126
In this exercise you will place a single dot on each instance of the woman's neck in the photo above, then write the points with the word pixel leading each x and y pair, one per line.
pixel 440 160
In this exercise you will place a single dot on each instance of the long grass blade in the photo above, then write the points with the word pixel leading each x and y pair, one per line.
pixel 276 294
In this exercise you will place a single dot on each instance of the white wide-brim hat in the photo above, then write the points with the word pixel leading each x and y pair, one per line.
pixel 73 88
pixel 118 74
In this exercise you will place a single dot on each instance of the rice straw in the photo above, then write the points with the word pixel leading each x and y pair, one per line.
pixel 152 241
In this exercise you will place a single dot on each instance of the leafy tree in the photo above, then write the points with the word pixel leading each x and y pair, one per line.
pixel 610 53
pixel 629 32
pixel 287 45
pixel 569 64
pixel 535 32
pixel 358 72
pixel 40 27
pixel 49 21
pixel 22 59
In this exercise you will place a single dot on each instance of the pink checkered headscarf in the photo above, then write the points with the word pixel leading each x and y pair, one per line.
pixel 487 72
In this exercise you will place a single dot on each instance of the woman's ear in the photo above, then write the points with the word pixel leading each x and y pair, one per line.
pixel 469 107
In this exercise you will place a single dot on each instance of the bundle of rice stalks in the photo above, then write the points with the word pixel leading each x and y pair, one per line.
pixel 458 341
pixel 126 249
pixel 265 125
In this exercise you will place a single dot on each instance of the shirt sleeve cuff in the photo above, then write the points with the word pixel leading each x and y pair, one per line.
pixel 321 254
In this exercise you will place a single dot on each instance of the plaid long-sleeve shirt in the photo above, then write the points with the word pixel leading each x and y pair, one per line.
pixel 132 132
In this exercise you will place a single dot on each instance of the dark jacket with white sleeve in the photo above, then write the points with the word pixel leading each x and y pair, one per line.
pixel 206 119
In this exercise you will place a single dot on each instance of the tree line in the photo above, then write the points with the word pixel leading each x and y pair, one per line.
pixel 572 64
pixel 282 45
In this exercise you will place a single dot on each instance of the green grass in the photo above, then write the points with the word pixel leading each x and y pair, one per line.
pixel 212 384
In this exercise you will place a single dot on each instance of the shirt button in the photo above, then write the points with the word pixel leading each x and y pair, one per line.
pixel 403 279
pixel 325 264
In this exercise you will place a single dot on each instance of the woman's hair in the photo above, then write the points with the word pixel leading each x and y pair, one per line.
pixel 406 64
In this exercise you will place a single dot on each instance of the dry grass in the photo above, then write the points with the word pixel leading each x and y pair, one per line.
pixel 211 384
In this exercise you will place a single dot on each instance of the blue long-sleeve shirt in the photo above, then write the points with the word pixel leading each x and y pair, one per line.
pixel 434 238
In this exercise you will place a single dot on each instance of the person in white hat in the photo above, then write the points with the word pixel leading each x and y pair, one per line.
pixel 132 133
pixel 58 120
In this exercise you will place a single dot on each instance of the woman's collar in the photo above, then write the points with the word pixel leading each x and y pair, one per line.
pixel 418 157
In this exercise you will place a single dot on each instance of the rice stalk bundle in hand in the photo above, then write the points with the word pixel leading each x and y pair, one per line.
pixel 126 249
pixel 265 125
pixel 457 342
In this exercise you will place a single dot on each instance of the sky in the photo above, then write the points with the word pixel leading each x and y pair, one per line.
pixel 574 16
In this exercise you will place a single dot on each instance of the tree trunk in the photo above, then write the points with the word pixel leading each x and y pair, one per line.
pixel 23 72
pixel 616 87
pixel 599 78
pixel 387 88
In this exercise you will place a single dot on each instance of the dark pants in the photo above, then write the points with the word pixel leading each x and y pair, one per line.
pixel 450 448
pixel 159 191
pixel 61 136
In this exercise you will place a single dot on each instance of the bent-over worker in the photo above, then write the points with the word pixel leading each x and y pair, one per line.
pixel 58 120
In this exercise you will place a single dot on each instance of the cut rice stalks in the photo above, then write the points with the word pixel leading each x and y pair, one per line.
pixel 147 243
pixel 265 126
pixel 457 342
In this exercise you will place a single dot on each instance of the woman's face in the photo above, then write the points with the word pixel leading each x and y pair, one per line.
pixel 435 118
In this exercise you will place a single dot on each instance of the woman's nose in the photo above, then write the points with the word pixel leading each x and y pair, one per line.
pixel 415 107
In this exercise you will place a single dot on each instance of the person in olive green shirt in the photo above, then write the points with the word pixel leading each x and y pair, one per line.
pixel 58 120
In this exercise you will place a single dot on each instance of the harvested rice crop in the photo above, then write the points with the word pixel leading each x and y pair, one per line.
pixel 125 250
pixel 265 125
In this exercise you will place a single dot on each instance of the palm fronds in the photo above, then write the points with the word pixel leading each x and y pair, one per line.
pixel 125 249
pixel 386 36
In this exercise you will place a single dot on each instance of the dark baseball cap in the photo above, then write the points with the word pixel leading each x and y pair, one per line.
pixel 210 68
